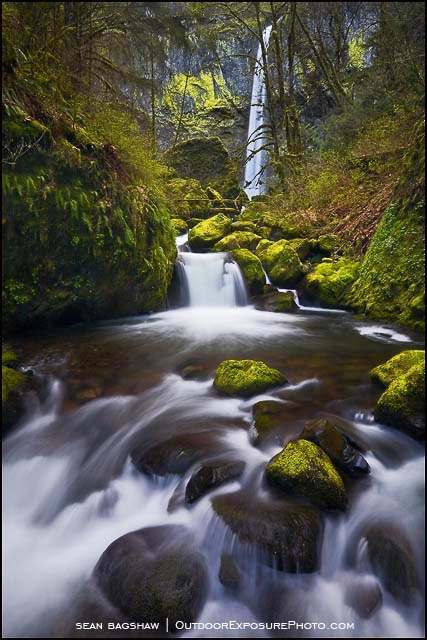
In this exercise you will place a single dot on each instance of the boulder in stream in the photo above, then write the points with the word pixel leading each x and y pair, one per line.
pixel 238 240
pixel 153 574
pixel 276 301
pixel 286 535
pixel 330 282
pixel 282 264
pixel 397 366
pixel 268 417
pixel 303 469
pixel 204 235
pixel 251 268
pixel 364 596
pixel 210 475
pixel 246 378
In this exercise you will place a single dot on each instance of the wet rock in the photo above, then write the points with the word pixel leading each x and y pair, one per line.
pixel 329 283
pixel 207 233
pixel 282 264
pixel 286 535
pixel 364 596
pixel 210 475
pixel 303 469
pixel 397 366
pixel 402 404
pixel 246 378
pixel 336 445
pixel 173 456
pixel 229 574
pixel 251 269
pixel 153 574
pixel 392 559
pixel 238 240
pixel 268 417
pixel 193 369
pixel 276 301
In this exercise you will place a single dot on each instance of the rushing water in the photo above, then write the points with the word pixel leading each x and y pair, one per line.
pixel 255 157
pixel 70 488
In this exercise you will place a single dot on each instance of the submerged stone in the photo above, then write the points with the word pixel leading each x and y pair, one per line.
pixel 211 475
pixel 246 377
pixel 364 596
pixel 268 417
pixel 229 574
pixel 302 468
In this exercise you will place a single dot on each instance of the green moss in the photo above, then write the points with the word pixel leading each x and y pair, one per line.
pixel 390 285
pixel 207 233
pixel 10 380
pixel 328 243
pixel 251 268
pixel 179 226
pixel 402 403
pixel 237 240
pixel 8 355
pixel 202 159
pixel 262 246
pixel 246 377
pixel 301 246
pixel 397 366
pixel 243 225
pixel 282 263
pixel 188 199
pixel 329 283
pixel 302 468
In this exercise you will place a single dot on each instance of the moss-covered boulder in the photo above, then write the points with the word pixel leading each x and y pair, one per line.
pixel 276 301
pixel 179 226
pixel 10 381
pixel 188 199
pixel 207 233
pixel 301 246
pixel 286 536
pixel 153 574
pixel 303 469
pixel 282 264
pixel 328 243
pixel 192 222
pixel 246 378
pixel 329 437
pixel 329 283
pixel 243 225
pixel 397 366
pixel 268 416
pixel 402 404
pixel 262 246
pixel 238 240
pixel 390 285
pixel 251 268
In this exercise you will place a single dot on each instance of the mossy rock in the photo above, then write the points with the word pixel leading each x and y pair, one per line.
pixel 390 283
pixel 282 264
pixel 179 226
pixel 277 302
pixel 203 159
pixel 402 404
pixel 262 246
pixel 301 246
pixel 188 199
pixel 397 366
pixel 251 268
pixel 207 233
pixel 10 381
pixel 328 436
pixel 243 225
pixel 246 378
pixel 303 469
pixel 268 417
pixel 237 240
pixel 8 356
pixel 330 282
pixel 286 536
pixel 263 231
pixel 192 222
pixel 328 243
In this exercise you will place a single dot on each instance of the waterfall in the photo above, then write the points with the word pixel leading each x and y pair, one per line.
pixel 252 181
pixel 212 280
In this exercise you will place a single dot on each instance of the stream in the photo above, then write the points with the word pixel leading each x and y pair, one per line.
pixel 70 487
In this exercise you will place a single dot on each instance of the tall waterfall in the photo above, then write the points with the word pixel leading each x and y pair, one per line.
pixel 253 180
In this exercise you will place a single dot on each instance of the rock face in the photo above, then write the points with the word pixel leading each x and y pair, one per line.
pixel 402 404
pixel 205 234
pixel 302 468
pixel 330 282
pixel 336 445
pixel 251 268
pixel 246 378
pixel 286 535
pixel 211 475
pixel 397 366
pixel 153 574
pixel 392 560
pixel 282 263
pixel 238 240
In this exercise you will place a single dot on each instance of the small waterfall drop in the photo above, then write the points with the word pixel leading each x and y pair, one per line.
pixel 253 184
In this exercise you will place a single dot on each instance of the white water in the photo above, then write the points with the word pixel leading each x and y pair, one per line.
pixel 255 159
